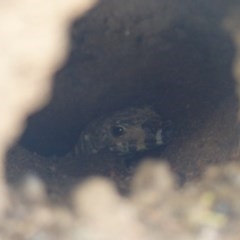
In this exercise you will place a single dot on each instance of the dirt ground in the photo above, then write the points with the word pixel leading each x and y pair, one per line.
pixel 174 57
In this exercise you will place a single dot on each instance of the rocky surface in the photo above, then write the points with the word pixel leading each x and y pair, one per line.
pixel 182 59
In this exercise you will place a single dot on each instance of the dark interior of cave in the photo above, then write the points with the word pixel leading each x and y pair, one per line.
pixel 179 61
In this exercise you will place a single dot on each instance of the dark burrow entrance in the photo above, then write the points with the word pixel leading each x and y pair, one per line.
pixel 175 60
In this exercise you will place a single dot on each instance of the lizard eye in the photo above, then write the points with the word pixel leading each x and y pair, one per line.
pixel 117 131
